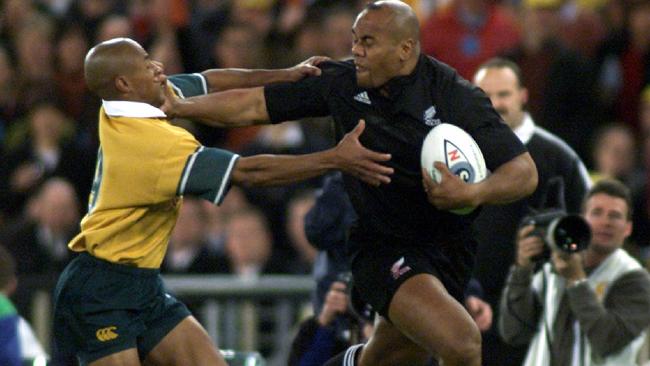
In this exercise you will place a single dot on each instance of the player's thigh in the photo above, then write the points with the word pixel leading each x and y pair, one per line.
pixel 423 311
pixel 128 357
pixel 389 346
pixel 187 344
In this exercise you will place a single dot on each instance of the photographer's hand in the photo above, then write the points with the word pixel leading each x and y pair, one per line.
pixel 569 266
pixel 336 302
pixel 528 246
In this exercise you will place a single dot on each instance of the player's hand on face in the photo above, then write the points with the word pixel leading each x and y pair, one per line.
pixel 336 302
pixel 451 193
pixel 356 160
pixel 171 103
pixel 480 311
pixel 528 246
pixel 309 67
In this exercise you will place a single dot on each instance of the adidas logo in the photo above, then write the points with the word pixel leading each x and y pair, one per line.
pixel 363 98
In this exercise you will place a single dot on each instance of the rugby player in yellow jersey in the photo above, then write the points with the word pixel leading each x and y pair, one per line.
pixel 111 307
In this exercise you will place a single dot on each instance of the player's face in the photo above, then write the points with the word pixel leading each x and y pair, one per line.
pixel 507 96
pixel 607 217
pixel 375 51
pixel 147 78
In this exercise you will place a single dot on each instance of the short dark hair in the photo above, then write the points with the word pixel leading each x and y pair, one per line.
pixel 613 188
pixel 503 63
pixel 7 267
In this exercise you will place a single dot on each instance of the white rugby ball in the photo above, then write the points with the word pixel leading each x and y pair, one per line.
pixel 456 149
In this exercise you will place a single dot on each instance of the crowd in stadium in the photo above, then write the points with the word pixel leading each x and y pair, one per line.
pixel 586 64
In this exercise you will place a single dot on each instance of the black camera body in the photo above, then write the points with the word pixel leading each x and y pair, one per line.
pixel 560 231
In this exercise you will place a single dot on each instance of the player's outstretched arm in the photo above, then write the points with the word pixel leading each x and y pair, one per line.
pixel 226 79
pixel 232 108
pixel 349 156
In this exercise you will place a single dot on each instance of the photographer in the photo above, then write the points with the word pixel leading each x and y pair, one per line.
pixel 587 307
pixel 330 332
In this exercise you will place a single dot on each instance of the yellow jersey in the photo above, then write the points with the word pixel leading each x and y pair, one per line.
pixel 144 166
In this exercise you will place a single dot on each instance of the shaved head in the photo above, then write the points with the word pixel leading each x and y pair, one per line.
pixel 402 21
pixel 105 62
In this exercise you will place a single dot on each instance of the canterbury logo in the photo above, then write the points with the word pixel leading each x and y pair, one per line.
pixel 106 334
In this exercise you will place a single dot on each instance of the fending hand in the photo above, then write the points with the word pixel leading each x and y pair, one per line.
pixel 358 161
pixel 309 67
pixel 171 103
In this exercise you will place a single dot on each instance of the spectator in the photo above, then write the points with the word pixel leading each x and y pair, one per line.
pixel 615 154
pixel 305 253
pixel 624 66
pixel 70 50
pixel 217 217
pixel 558 167
pixel 468 33
pixel 8 95
pixel 39 243
pixel 188 250
pixel 326 227
pixel 45 147
pixel 560 82
pixel 17 341
pixel 590 307
pixel 335 328
pixel 249 244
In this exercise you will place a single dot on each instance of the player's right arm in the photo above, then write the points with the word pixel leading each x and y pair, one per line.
pixel 208 172
pixel 348 156
pixel 226 79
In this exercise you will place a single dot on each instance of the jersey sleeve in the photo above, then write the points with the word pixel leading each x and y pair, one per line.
pixel 188 85
pixel 207 174
pixel 296 100
pixel 472 110
pixel 175 160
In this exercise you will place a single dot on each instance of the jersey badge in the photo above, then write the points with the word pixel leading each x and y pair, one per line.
pixel 429 115
pixel 398 268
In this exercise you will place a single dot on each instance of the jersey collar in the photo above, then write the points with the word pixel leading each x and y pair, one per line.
pixel 122 108
pixel 525 131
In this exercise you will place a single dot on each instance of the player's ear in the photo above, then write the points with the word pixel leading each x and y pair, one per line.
pixel 121 84
pixel 406 49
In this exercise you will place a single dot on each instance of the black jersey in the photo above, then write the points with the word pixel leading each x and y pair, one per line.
pixel 397 124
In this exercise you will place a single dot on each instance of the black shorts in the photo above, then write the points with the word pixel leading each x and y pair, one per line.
pixel 380 265
pixel 101 308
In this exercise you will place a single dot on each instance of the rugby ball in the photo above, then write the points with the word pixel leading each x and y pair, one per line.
pixel 456 149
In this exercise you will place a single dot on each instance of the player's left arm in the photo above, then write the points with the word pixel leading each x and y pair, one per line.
pixel 226 79
pixel 513 180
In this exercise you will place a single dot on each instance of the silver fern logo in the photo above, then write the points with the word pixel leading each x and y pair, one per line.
pixel 429 115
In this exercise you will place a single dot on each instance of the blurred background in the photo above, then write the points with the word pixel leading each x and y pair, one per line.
pixel 586 64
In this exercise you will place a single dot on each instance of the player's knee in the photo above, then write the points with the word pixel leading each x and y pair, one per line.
pixel 464 350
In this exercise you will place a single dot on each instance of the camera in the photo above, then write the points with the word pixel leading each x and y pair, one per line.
pixel 560 231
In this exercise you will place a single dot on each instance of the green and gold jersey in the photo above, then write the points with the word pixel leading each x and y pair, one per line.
pixel 144 166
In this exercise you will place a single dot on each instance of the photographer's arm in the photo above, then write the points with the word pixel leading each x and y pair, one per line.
pixel 519 313
pixel 518 308
pixel 620 318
